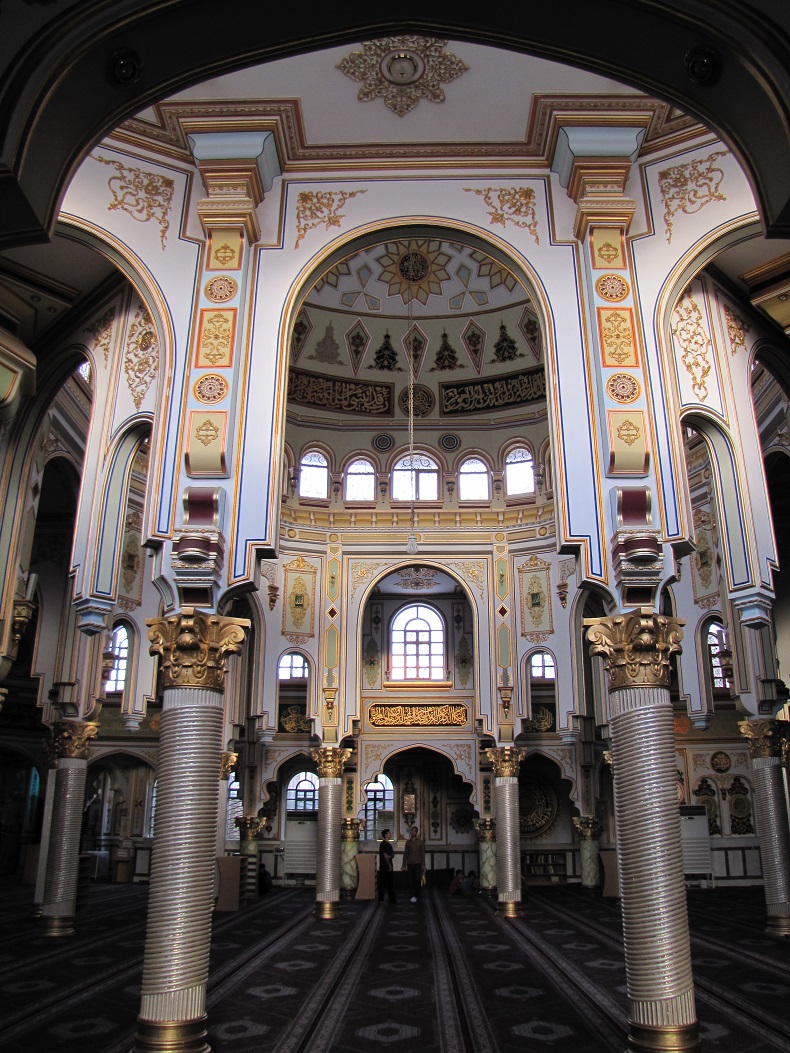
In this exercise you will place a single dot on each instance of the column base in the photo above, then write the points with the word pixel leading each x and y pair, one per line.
pixel 678 1039
pixel 57 925
pixel 326 910
pixel 171 1036
pixel 507 909
pixel 778 926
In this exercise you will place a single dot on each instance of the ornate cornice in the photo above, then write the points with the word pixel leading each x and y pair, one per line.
pixel 71 739
pixel 636 646
pixel 506 760
pixel 767 738
pixel 588 826
pixel 330 761
pixel 193 647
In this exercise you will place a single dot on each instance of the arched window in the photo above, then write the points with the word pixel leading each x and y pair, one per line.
pixel 293 666
pixel 720 657
pixel 542 693
pixel 415 479
pixel 519 472
pixel 474 480
pixel 302 793
pixel 417 644
pixel 360 481
pixel 314 475
pixel 541 666
pixel 379 808
pixel 119 648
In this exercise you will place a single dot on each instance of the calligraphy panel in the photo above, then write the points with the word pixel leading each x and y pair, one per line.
pixel 340 395
pixel 480 396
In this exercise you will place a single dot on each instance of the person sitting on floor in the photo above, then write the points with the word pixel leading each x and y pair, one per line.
pixel 455 884
pixel 470 886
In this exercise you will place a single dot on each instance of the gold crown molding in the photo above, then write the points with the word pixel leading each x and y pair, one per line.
pixel 167 133
pixel 636 646
pixel 193 647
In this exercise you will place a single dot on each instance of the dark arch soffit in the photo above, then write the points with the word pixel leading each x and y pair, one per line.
pixel 57 100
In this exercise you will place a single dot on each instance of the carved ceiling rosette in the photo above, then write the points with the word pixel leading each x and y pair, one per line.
pixel 193 647
pixel 636 646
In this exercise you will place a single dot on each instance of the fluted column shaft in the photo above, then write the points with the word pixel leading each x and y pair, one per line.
pixel 768 742
pixel 71 743
pixel 636 648
pixel 506 761
pixel 192 648
pixel 330 763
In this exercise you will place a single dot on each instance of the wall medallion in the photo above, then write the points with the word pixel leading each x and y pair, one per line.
pixel 720 761
pixel 449 441
pixel 612 287
pixel 622 387
pixel 424 401
pixel 221 288
pixel 537 805
pixel 210 388
pixel 382 442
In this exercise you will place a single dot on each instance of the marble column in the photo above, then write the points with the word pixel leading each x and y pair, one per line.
pixel 330 761
pixel 71 741
pixel 506 761
pixel 486 844
pixel 589 830
pixel 636 647
pixel 193 647
pixel 349 848
pixel 768 745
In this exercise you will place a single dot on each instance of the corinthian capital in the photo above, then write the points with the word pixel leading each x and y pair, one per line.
pixel 72 739
pixel 330 761
pixel 249 826
pixel 588 827
pixel 767 738
pixel 636 646
pixel 506 760
pixel 193 647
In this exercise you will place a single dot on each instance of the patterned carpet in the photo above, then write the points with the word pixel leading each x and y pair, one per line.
pixel 444 975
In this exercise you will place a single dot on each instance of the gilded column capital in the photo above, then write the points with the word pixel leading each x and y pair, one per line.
pixel 506 760
pixel 486 829
pixel 249 826
pixel 330 761
pixel 71 739
pixel 767 738
pixel 227 762
pixel 349 829
pixel 636 646
pixel 588 826
pixel 193 647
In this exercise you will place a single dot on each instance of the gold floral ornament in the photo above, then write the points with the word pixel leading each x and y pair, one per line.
pixel 628 432
pixel 317 207
pixel 514 205
pixel 330 761
pixel 636 647
pixel 193 647
pixel 622 387
pixel 737 329
pixel 612 287
pixel 101 331
pixel 506 760
pixel 141 195
pixel 221 288
pixel 210 388
pixel 694 344
pixel 141 358
pixel 207 432
pixel 402 70
pixel 71 739
pixel 689 187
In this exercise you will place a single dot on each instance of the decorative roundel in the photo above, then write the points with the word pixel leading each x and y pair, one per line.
pixel 720 761
pixel 414 267
pixel 424 401
pixel 383 442
pixel 210 388
pixel 740 807
pixel 449 442
pixel 612 287
pixel 537 805
pixel 622 387
pixel 221 288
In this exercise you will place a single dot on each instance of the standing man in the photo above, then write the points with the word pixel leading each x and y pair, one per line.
pixel 386 868
pixel 414 862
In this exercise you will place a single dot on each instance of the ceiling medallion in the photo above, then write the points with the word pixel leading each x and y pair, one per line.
pixel 414 270
pixel 402 70
pixel 210 388
pixel 221 288
pixel 612 287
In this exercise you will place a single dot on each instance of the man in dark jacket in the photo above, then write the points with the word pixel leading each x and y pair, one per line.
pixel 386 868
pixel 414 862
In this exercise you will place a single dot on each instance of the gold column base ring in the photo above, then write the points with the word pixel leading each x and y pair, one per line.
pixel 326 910
pixel 507 909
pixel 57 925
pixel 670 1039
pixel 172 1036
